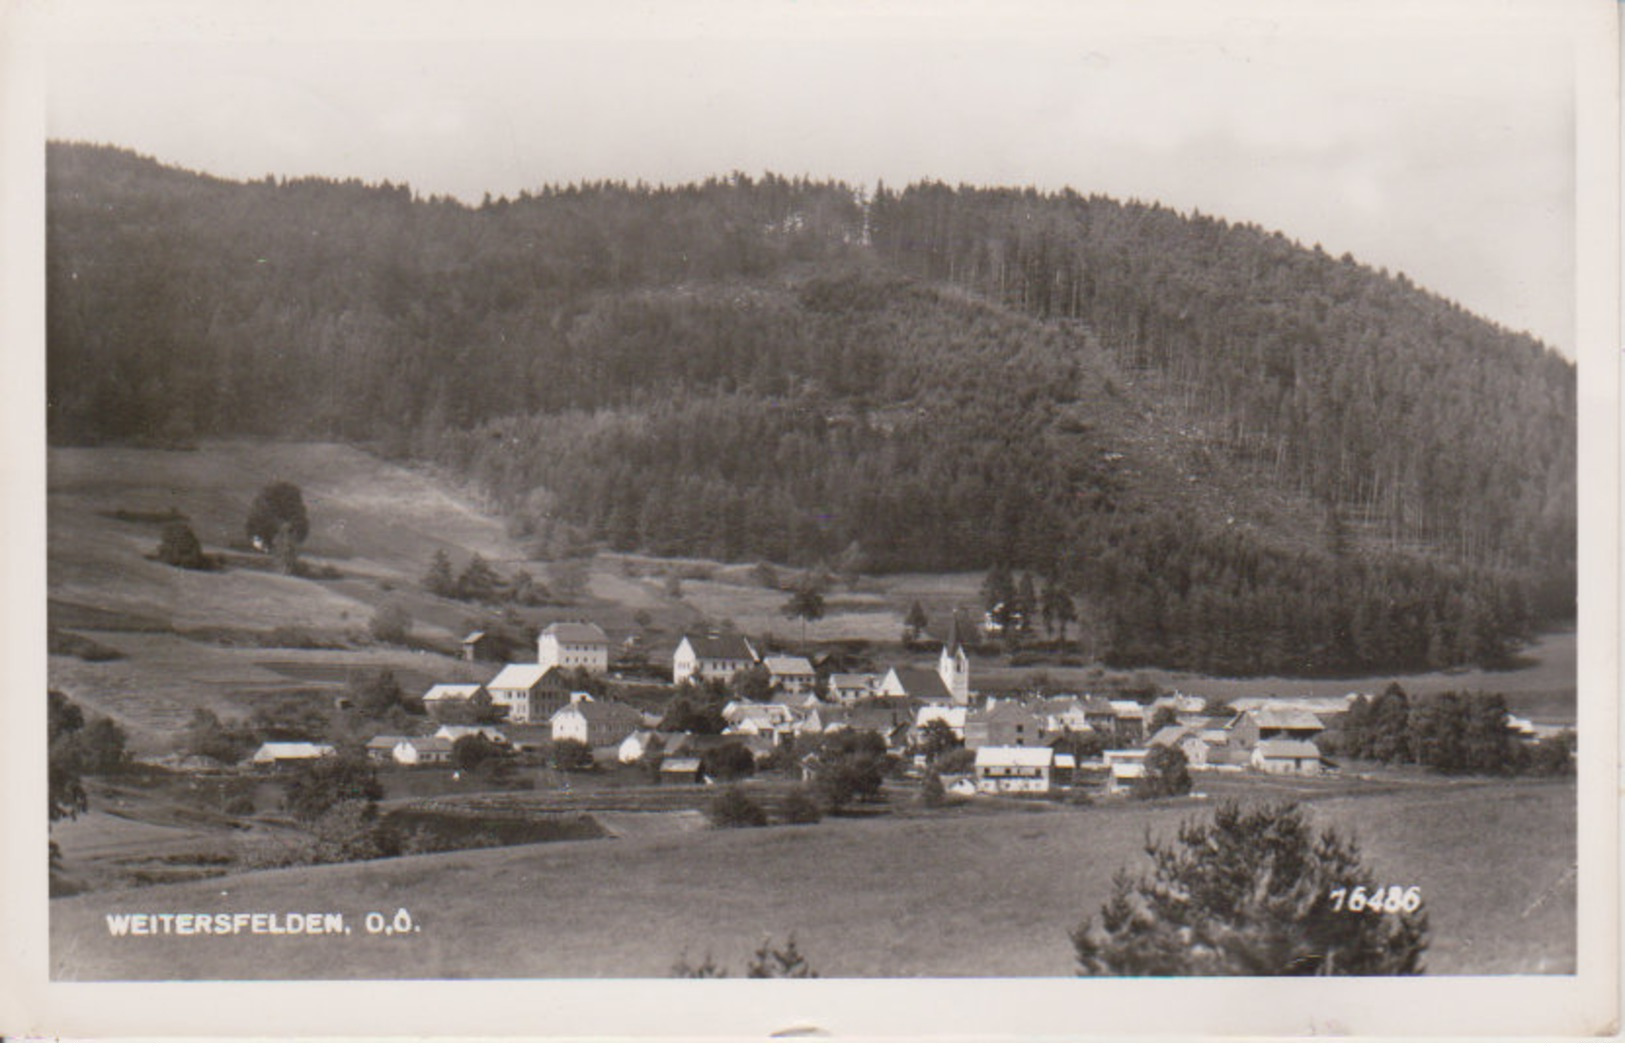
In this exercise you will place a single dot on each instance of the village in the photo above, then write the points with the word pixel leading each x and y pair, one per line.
pixel 929 721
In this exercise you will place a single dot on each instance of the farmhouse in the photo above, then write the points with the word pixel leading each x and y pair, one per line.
pixel 713 656
pixel 791 675
pixel 847 688
pixel 289 754
pixel 1013 769
pixel 595 724
pixel 529 693
pixel 452 732
pixel 381 748
pixel 756 718
pixel 573 645
pixel 1063 713
pixel 443 696
pixel 1274 724
pixel 1287 756
pixel 419 752
pixel 480 646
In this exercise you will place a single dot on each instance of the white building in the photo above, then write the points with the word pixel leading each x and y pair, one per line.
pixel 790 674
pixel 715 656
pixel 1013 769
pixel 573 645
pixel 595 724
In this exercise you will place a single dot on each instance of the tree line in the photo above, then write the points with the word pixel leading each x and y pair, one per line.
pixel 776 369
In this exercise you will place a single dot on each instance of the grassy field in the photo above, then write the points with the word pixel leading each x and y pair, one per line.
pixel 956 894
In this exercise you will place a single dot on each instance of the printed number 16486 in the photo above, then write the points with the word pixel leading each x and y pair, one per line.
pixel 1377 900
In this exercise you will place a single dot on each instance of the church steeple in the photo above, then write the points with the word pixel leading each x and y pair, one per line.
pixel 953 666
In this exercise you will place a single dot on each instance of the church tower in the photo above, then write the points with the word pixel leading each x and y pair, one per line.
pixel 953 666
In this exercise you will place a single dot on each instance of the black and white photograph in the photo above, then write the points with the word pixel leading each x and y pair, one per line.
pixel 1073 507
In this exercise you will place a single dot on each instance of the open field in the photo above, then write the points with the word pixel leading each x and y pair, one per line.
pixel 956 894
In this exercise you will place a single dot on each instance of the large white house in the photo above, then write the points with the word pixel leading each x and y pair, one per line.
pixel 529 693
pixel 1013 769
pixel 573 645
pixel 714 656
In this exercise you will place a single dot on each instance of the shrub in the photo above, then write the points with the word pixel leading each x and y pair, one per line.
pixel 801 808
pixel 392 623
pixel 728 762
pixel 932 794
pixel 960 761
pixel 569 755
pixel 733 808
pixel 1166 773
pixel 767 962
pixel 1250 893
pixel 179 547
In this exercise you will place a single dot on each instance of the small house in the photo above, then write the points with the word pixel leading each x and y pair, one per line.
pixel 847 688
pixel 290 754
pixel 381 748
pixel 1271 723
pixel 481 646
pixel 792 675
pixel 452 732
pixel 422 752
pixel 1000 724
pixel 682 769
pixel 1287 756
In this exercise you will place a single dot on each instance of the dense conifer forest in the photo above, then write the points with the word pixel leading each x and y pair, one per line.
pixel 1237 453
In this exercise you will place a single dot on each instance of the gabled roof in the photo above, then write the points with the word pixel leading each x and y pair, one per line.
pixel 921 683
pixel 602 712
pixel 1288 749
pixel 788 665
pixel 680 765
pixel 952 715
pixel 576 632
pixel 1093 706
pixel 451 692
pixel 1014 756
pixel 1003 712
pixel 1287 719
pixel 429 745
pixel 454 731
pixel 386 741
pixel 519 677
pixel 292 751
pixel 717 647
pixel 474 637
pixel 1127 710
pixel 1173 734
pixel 847 681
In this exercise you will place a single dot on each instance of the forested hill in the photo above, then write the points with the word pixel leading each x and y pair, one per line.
pixel 1235 453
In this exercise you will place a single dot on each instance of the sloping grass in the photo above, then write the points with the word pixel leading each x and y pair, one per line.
pixel 961 894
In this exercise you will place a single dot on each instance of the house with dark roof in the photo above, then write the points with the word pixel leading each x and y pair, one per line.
pixel 1273 724
pixel 711 656
pixel 1003 724
pixel 596 724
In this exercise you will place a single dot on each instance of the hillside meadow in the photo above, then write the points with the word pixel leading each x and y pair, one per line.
pixel 949 895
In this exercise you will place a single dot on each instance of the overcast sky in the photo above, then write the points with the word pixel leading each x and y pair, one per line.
pixel 1443 148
